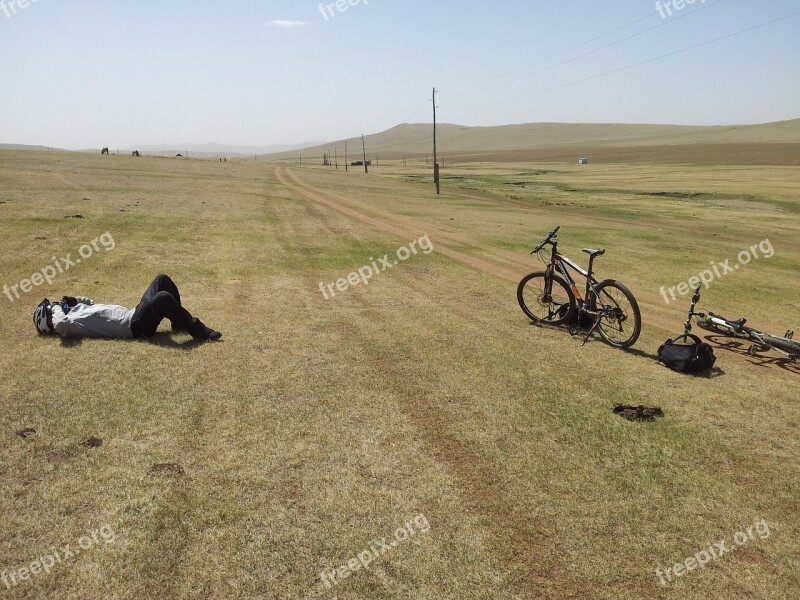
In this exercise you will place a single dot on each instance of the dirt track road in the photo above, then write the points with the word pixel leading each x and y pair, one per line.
pixel 403 227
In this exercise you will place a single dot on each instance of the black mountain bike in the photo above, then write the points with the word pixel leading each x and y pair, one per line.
pixel 551 296
pixel 760 341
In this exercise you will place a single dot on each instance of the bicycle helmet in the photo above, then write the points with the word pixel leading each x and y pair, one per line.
pixel 40 318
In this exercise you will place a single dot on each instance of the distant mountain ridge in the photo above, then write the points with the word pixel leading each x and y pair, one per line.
pixel 214 149
pixel 527 139
pixel 28 147
pixel 209 149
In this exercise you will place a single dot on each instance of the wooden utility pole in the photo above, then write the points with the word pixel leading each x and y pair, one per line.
pixel 336 157
pixel 435 162
pixel 364 148
pixel 346 168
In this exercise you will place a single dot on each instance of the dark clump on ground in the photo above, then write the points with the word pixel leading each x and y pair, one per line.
pixel 166 469
pixel 26 432
pixel 74 217
pixel 91 442
pixel 638 413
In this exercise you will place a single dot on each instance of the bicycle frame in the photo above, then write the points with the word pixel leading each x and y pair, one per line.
pixel 559 263
pixel 754 335
pixel 740 330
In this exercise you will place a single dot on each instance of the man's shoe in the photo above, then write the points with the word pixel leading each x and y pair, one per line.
pixel 202 333
pixel 208 335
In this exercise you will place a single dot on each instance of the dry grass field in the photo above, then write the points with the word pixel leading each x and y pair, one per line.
pixel 424 400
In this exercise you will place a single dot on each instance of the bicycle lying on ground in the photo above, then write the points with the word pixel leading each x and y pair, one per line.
pixel 551 296
pixel 760 341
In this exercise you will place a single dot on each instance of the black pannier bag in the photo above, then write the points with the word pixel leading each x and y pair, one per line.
pixel 581 320
pixel 693 357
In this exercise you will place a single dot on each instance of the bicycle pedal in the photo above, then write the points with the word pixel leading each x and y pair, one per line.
pixel 751 351
pixel 789 334
pixel 573 330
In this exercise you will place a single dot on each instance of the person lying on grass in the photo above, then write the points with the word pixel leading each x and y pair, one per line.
pixel 77 316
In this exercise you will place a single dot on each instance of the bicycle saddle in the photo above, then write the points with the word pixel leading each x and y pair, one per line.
pixel 592 252
pixel 737 325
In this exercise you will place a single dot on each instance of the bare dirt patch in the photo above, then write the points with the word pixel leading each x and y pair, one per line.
pixel 91 442
pixel 56 456
pixel 167 469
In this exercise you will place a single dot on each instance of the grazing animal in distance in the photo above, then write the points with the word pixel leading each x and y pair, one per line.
pixel 104 151
pixel 135 153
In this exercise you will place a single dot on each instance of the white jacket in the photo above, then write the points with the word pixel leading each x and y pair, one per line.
pixel 88 319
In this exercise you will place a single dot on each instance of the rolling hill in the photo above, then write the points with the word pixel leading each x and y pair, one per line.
pixel 770 143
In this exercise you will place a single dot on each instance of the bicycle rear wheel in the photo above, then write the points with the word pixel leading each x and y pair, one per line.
pixel 620 320
pixel 546 298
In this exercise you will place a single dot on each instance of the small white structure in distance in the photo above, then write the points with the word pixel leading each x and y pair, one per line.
pixel 583 160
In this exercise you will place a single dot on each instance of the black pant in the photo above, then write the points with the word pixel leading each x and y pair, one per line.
pixel 162 300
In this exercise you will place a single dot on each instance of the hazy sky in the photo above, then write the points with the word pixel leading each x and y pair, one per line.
pixel 76 73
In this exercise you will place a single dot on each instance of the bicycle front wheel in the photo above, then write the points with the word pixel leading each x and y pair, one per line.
pixel 790 347
pixel 546 298
pixel 620 320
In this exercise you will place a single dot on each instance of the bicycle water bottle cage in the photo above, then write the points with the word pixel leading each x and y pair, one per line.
pixel 592 252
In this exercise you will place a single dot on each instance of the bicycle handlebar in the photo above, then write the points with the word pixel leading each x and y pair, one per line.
pixel 547 240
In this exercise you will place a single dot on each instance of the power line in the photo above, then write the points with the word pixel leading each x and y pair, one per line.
pixel 574 58
pixel 425 102
pixel 644 62
pixel 541 60
pixel 416 111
